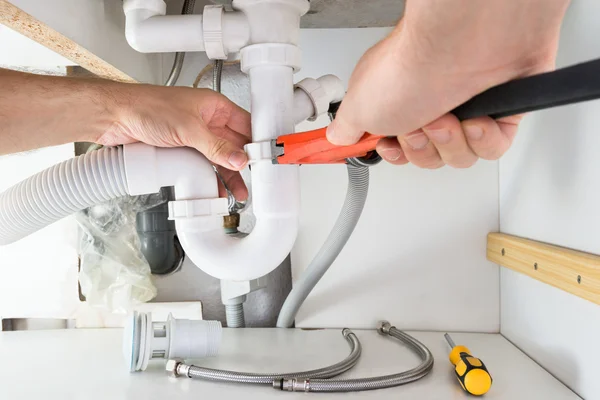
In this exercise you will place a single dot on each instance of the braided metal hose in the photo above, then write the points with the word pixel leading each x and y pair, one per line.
pixel 192 371
pixel 217 75
pixel 380 382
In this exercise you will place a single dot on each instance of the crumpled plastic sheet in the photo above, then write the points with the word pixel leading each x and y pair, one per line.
pixel 114 274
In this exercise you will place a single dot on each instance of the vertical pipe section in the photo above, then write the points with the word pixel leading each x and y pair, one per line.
pixel 272 101
pixel 275 188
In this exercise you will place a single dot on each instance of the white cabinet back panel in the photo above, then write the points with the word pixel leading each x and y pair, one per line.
pixel 549 191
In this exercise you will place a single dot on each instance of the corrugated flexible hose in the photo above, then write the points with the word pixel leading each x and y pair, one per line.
pixel 356 196
pixel 60 191
pixel 195 372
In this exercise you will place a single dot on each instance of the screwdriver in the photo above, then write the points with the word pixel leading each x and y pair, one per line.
pixel 471 372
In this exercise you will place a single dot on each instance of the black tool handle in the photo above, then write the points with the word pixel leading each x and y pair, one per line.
pixel 569 85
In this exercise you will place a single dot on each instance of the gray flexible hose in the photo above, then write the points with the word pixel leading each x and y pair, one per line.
pixel 356 196
pixel 60 191
pixel 192 371
pixel 188 8
pixel 380 382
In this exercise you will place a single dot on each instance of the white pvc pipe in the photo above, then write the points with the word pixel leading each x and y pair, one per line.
pixel 149 30
pixel 303 106
pixel 272 101
pixel 333 87
pixel 330 90
pixel 275 193
pixel 275 190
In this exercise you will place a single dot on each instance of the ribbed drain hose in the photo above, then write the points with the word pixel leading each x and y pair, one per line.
pixel 192 371
pixel 60 191
pixel 356 196
pixel 379 382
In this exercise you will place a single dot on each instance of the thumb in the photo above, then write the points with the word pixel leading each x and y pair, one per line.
pixel 221 151
pixel 341 132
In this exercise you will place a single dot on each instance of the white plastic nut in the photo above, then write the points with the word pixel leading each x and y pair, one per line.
pixel 271 54
pixel 259 151
pixel 212 27
pixel 317 95
pixel 198 208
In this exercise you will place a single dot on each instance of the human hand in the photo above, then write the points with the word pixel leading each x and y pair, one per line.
pixel 443 53
pixel 178 116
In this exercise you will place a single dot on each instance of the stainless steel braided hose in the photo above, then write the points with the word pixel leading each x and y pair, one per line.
pixel 380 382
pixel 191 371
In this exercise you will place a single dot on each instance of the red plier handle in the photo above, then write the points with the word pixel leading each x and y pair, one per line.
pixel 312 147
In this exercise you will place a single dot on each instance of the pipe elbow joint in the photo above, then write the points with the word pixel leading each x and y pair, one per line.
pixel 234 259
pixel 150 168
pixel 199 223
pixel 137 14
pixel 276 195
pixel 312 97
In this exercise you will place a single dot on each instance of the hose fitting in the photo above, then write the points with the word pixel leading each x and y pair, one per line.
pixel 383 327
pixel 294 385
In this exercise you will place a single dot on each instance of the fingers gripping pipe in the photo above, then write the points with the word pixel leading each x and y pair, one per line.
pixel 60 191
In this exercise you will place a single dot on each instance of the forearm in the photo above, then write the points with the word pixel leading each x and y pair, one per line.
pixel 38 111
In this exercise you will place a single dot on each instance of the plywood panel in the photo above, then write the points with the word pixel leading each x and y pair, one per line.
pixel 573 271
pixel 96 27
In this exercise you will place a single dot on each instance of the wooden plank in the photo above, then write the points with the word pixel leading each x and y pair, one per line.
pixel 570 270
pixel 28 26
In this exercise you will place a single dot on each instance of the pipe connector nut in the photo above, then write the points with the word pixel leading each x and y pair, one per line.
pixel 383 327
pixel 172 368
pixel 284 54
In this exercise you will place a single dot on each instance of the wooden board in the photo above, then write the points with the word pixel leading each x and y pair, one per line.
pixel 570 270
pixel 28 26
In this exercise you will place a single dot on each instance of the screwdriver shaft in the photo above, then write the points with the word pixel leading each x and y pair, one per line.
pixel 449 340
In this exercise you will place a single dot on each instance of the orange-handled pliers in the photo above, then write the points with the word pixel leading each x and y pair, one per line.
pixel 312 147
pixel 569 85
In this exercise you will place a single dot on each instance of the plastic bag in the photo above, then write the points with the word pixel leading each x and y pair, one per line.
pixel 114 274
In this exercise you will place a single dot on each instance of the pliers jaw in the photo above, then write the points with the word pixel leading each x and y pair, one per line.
pixel 312 147
pixel 276 151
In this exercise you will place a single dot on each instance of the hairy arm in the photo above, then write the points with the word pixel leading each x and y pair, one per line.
pixel 38 111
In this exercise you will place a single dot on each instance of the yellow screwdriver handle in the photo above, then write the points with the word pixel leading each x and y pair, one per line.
pixel 473 375
pixel 471 372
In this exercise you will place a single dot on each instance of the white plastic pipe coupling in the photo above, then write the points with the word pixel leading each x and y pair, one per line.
pixel 145 340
